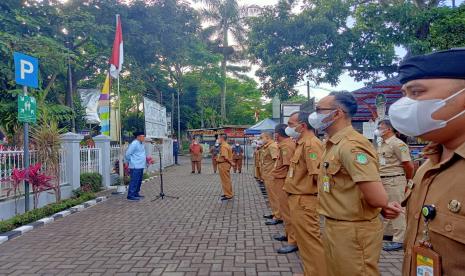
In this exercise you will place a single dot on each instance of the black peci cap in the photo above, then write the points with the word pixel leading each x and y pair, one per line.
pixel 448 64
pixel 138 133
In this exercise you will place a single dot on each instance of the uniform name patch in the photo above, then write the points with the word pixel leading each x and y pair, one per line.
pixel 313 156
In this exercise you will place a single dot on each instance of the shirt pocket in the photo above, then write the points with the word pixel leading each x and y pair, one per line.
pixel 332 169
pixel 449 225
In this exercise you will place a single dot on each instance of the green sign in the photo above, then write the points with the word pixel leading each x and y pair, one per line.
pixel 27 109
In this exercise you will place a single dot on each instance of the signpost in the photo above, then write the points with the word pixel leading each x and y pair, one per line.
pixel 26 74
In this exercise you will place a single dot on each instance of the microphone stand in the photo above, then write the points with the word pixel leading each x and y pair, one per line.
pixel 162 193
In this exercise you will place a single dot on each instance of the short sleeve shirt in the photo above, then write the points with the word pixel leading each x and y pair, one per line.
pixel 440 184
pixel 391 154
pixel 225 153
pixel 269 155
pixel 303 171
pixel 286 151
pixel 349 158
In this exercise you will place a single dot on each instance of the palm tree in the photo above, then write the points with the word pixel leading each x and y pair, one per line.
pixel 227 20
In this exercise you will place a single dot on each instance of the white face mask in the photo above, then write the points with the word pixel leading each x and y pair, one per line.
pixel 316 120
pixel 237 145
pixel 379 133
pixel 414 117
pixel 290 131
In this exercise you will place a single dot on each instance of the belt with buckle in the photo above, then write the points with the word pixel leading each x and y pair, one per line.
pixel 387 176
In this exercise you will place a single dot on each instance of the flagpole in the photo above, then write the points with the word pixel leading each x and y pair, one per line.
pixel 121 167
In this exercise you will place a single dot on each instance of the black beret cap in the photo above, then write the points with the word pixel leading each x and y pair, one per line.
pixel 138 133
pixel 448 64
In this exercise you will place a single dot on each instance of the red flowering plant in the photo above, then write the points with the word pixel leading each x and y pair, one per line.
pixel 39 181
pixel 17 177
pixel 149 160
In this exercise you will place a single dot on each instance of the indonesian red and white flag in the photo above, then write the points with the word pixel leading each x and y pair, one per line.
pixel 116 60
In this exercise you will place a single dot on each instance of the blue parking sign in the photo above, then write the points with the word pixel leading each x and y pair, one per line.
pixel 26 70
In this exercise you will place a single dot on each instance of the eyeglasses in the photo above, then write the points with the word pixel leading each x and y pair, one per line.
pixel 318 109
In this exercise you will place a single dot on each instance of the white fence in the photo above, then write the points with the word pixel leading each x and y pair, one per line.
pixel 91 160
pixel 13 158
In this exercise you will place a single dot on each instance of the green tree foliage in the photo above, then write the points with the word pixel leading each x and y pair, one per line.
pixel 165 51
pixel 330 37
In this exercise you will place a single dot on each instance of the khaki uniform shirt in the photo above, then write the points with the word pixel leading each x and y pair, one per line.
pixel 440 184
pixel 269 155
pixel 303 171
pixel 286 151
pixel 225 154
pixel 348 158
pixel 391 154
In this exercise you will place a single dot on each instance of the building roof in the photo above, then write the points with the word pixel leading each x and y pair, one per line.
pixel 366 97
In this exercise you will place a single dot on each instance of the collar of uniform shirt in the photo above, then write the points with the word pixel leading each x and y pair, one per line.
pixel 389 139
pixel 302 137
pixel 337 137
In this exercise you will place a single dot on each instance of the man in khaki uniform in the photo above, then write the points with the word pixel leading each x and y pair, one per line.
pixel 268 156
pixel 214 150
pixel 224 161
pixel 301 185
pixel 196 151
pixel 280 171
pixel 238 155
pixel 434 110
pixel 396 169
pixel 256 158
pixel 350 191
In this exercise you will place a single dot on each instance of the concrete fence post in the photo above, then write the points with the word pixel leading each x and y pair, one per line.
pixel 102 142
pixel 70 142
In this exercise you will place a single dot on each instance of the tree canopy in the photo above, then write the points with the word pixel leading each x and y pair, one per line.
pixel 329 37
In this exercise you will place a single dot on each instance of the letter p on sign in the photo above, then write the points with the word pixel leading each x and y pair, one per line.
pixel 26 70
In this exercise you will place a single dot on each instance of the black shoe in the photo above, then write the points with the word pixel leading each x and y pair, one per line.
pixel 226 198
pixel 287 249
pixel 268 216
pixel 198 172
pixel 133 198
pixel 273 222
pixel 192 172
pixel 280 237
pixel 387 238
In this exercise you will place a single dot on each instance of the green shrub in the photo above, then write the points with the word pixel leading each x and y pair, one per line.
pixel 91 182
pixel 39 213
pixel 145 176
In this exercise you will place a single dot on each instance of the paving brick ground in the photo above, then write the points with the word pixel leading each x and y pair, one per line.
pixel 192 235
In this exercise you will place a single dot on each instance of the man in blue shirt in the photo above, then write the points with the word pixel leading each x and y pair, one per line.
pixel 175 150
pixel 137 159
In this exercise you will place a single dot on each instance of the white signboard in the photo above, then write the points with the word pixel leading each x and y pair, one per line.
pixel 288 109
pixel 89 99
pixel 369 130
pixel 155 119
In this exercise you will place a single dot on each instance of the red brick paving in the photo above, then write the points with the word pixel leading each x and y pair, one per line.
pixel 193 235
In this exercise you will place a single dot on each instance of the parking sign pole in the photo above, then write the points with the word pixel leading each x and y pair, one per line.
pixel 26 158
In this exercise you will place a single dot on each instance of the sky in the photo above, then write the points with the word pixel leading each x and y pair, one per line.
pixel 345 81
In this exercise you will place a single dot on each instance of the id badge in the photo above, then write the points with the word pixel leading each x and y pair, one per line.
pixel 326 183
pixel 382 161
pixel 426 262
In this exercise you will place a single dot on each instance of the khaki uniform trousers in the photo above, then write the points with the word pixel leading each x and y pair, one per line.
pixel 196 164
pixel 225 177
pixel 353 248
pixel 272 197
pixel 214 164
pixel 283 201
pixel 238 165
pixel 395 188
pixel 306 223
